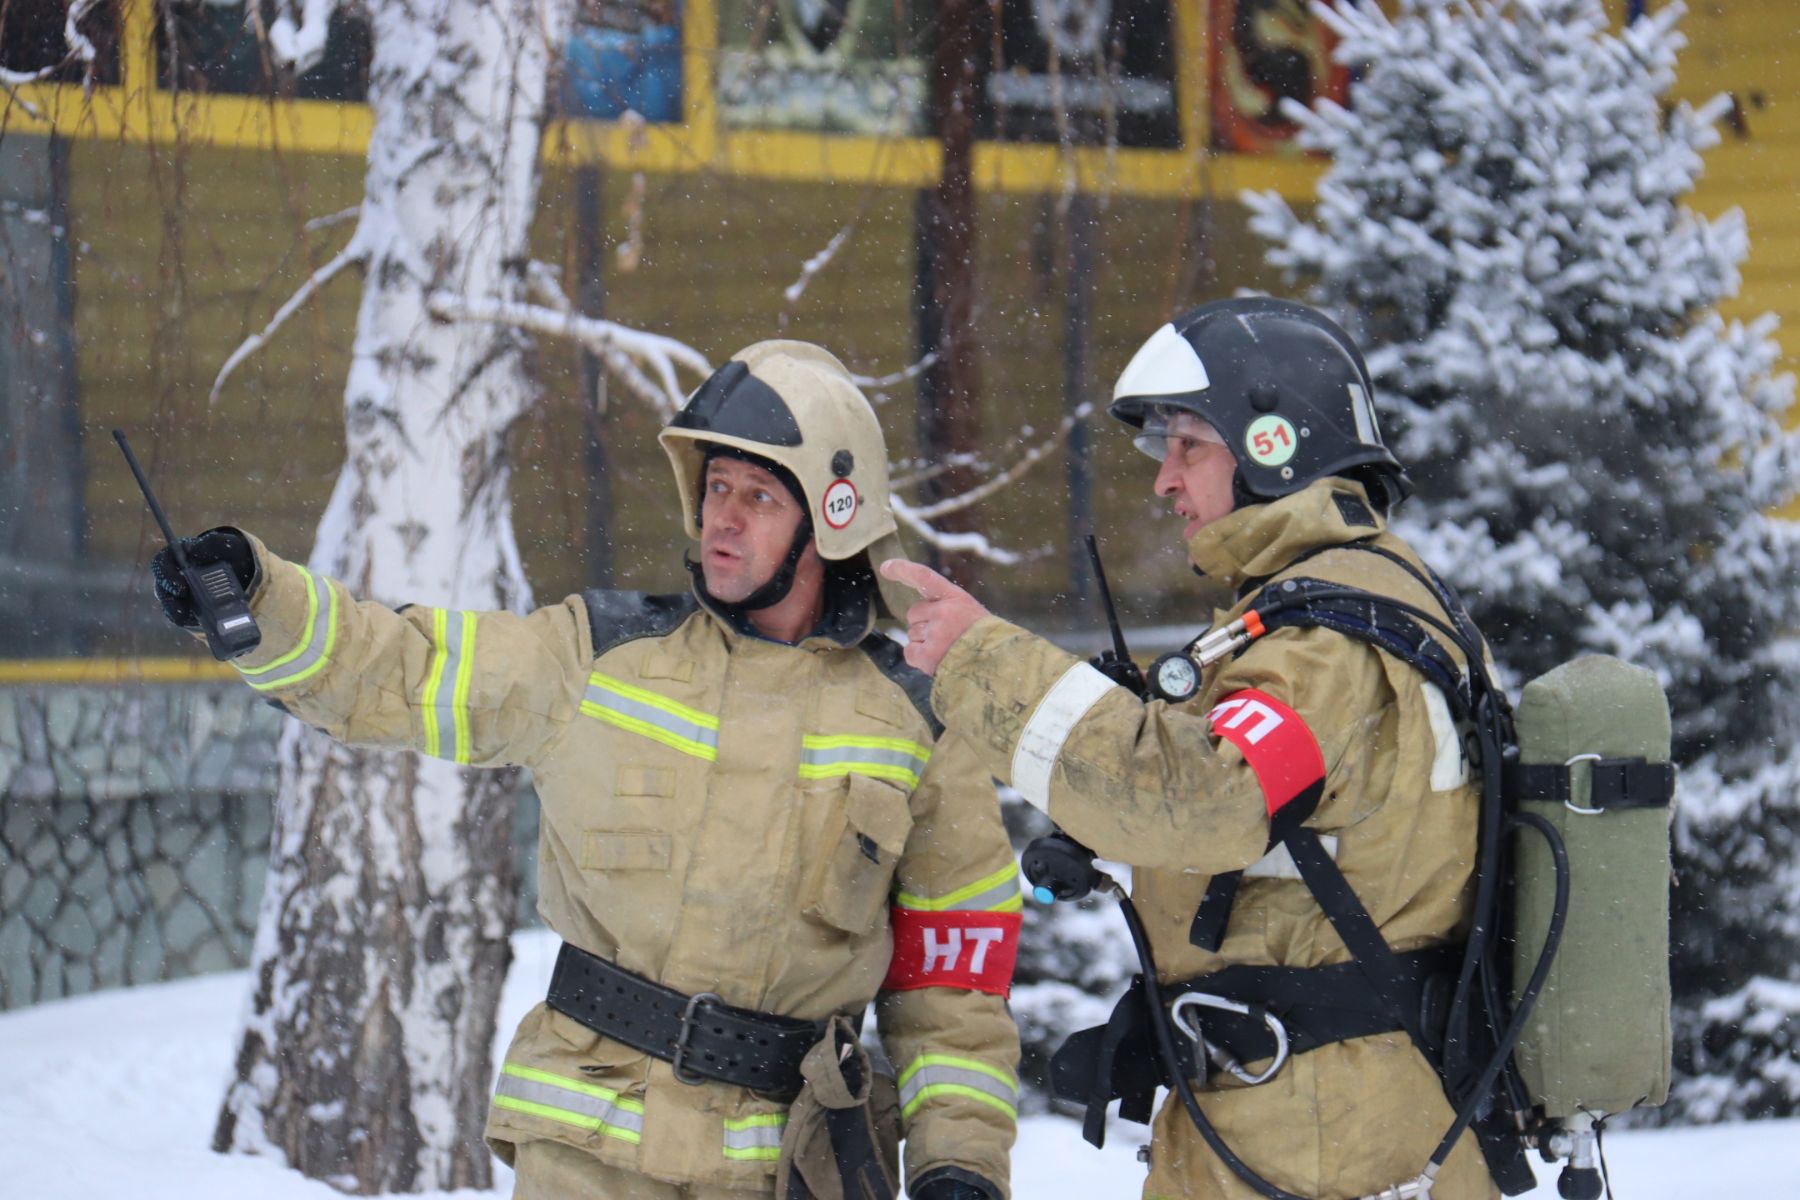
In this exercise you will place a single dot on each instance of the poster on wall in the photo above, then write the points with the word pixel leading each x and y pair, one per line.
pixel 624 56
pixel 1264 52
pixel 830 66
pixel 1083 72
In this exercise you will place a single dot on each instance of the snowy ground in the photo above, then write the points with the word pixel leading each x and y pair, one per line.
pixel 114 1094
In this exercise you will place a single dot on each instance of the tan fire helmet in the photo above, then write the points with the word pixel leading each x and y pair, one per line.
pixel 796 405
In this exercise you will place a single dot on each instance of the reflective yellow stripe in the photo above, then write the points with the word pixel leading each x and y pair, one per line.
pixel 306 631
pixel 647 714
pixel 754 1139
pixel 654 732
pixel 575 1085
pixel 433 679
pixel 956 1089
pixel 704 720
pixel 944 1075
pixel 825 755
pixel 579 1120
pixel 838 740
pixel 314 648
pixel 465 673
pixel 998 892
pixel 872 770
pixel 453 654
pixel 569 1102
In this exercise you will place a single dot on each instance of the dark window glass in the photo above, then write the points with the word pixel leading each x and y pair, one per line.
pixel 208 47
pixel 1084 71
pixel 31 38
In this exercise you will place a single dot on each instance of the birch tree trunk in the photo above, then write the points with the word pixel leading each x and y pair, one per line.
pixel 365 1057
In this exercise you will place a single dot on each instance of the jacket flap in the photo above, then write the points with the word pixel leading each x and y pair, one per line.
pixel 879 812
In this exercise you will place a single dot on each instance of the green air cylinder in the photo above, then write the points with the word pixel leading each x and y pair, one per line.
pixel 1598 1039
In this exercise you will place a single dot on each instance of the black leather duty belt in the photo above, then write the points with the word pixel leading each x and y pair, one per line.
pixel 701 1036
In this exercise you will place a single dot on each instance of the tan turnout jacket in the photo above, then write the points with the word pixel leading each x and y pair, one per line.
pixel 720 813
pixel 1152 785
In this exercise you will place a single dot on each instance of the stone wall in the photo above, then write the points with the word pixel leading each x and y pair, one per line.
pixel 134 833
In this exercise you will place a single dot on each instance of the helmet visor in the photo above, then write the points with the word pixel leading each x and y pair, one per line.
pixel 1163 423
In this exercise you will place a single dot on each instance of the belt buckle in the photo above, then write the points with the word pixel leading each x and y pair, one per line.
pixel 676 1060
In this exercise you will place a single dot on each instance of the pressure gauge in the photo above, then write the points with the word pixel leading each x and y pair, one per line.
pixel 1174 677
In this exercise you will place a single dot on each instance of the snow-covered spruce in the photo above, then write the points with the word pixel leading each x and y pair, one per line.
pixel 382 943
pixel 1596 450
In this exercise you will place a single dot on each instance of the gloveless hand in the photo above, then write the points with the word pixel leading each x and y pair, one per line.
pixel 943 613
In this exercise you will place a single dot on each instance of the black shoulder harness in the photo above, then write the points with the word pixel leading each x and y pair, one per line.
pixel 890 660
pixel 616 617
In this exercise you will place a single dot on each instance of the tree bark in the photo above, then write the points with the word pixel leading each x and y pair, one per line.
pixel 950 390
pixel 365 1057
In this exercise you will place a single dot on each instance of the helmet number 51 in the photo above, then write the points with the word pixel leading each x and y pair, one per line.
pixel 1270 440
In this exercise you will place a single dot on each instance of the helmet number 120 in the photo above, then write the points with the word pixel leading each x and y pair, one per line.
pixel 840 503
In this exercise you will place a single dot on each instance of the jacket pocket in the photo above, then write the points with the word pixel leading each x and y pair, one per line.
pixel 625 850
pixel 863 839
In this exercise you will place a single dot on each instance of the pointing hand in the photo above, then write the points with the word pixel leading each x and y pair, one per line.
pixel 943 614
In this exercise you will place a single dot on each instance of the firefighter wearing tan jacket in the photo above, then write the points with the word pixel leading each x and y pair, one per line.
pixel 1259 411
pixel 751 821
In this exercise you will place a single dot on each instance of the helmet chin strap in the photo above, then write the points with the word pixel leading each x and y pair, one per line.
pixel 774 589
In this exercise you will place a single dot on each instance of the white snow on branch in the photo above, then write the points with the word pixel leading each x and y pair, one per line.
pixel 898 377
pixel 301 46
pixel 352 253
pixel 80 48
pixel 330 219
pixel 1022 464
pixel 963 543
pixel 817 263
pixel 661 354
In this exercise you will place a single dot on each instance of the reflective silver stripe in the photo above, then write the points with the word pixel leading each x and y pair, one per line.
pixel 757 1137
pixel 316 639
pixel 1056 715
pixel 940 1074
pixel 655 717
pixel 998 892
pixel 1006 897
pixel 1279 864
pixel 869 754
pixel 570 1101
pixel 446 695
pixel 902 761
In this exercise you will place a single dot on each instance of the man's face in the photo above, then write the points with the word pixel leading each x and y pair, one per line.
pixel 747 523
pixel 1196 473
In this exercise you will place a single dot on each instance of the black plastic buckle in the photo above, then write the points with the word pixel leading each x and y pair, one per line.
pixel 682 1072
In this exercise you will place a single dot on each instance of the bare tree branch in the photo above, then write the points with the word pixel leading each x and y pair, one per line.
pixel 354 252
pixel 817 263
pixel 898 377
pixel 661 354
pixel 330 219
pixel 956 543
pixel 1020 465
pixel 80 48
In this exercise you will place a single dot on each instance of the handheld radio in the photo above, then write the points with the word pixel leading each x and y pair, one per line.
pixel 218 597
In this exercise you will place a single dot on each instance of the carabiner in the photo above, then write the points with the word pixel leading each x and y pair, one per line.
pixel 1225 1062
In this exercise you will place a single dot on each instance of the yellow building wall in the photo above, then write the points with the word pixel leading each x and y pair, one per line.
pixel 189 245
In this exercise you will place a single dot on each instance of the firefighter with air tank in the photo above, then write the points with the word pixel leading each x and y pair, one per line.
pixel 1259 413
pixel 753 825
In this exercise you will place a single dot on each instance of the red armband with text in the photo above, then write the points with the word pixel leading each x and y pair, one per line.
pixel 1280 749
pixel 975 951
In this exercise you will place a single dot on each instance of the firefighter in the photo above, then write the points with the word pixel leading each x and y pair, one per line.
pixel 752 825
pixel 1259 412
